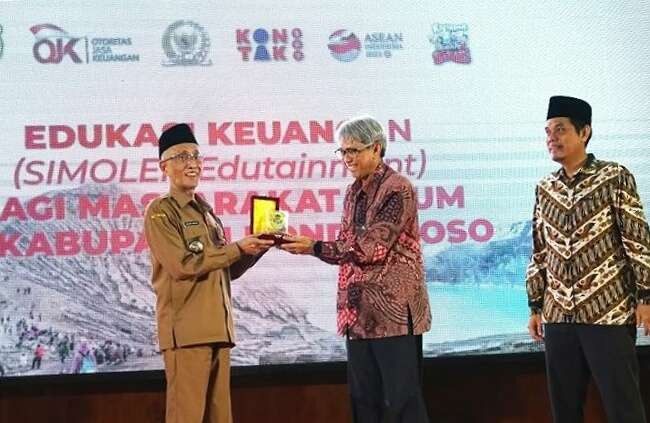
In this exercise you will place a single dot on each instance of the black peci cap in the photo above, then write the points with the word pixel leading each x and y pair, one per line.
pixel 570 107
pixel 177 134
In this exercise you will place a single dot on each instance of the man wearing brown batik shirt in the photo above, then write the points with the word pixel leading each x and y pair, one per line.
pixel 382 302
pixel 588 280
pixel 192 266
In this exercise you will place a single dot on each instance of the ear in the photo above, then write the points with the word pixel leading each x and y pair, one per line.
pixel 586 131
pixel 162 166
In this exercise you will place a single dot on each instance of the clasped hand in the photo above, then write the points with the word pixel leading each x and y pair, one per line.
pixel 253 245
pixel 298 244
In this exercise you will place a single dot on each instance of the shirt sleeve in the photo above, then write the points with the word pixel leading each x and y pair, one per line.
pixel 332 252
pixel 246 261
pixel 371 246
pixel 536 272
pixel 167 245
pixel 635 235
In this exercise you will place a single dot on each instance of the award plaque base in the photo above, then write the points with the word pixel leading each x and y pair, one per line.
pixel 278 239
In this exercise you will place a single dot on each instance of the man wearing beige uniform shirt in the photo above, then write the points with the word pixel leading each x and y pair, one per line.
pixel 192 266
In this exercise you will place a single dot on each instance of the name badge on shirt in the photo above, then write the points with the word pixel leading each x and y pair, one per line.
pixel 191 223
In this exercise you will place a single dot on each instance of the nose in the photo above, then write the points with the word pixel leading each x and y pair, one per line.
pixel 550 137
pixel 193 164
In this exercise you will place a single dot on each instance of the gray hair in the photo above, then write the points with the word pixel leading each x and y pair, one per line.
pixel 171 151
pixel 364 129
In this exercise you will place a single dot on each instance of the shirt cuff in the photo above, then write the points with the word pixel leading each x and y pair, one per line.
pixel 318 248
pixel 233 252
pixel 535 307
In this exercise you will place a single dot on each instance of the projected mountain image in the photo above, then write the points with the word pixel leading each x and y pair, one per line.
pixel 477 294
pixel 107 300
pixel 478 297
pixel 502 260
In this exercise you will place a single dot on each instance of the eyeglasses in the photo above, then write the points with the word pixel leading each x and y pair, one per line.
pixel 351 152
pixel 184 157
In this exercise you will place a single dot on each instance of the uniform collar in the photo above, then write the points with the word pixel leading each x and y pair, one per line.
pixel 181 197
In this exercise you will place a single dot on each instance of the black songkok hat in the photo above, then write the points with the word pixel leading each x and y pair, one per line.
pixel 569 107
pixel 177 134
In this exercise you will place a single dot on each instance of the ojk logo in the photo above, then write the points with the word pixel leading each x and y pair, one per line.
pixel 53 44
pixel 273 45
pixel 344 46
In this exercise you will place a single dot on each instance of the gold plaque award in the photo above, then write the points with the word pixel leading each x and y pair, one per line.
pixel 267 219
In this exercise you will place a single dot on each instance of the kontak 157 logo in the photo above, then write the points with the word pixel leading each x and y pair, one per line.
pixel 270 45
pixel 53 44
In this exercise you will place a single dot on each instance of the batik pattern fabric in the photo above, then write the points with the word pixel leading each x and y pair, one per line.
pixel 591 247
pixel 381 272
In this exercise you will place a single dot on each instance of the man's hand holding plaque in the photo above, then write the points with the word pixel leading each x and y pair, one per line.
pixel 267 220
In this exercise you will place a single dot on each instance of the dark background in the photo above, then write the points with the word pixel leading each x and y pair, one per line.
pixel 504 389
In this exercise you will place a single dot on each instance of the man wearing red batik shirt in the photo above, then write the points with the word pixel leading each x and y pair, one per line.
pixel 382 305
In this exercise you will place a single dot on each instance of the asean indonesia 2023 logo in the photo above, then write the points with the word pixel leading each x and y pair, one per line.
pixel 186 43
pixel 344 46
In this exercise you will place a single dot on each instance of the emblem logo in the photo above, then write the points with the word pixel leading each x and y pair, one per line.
pixel 195 246
pixel 278 221
pixel 186 43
